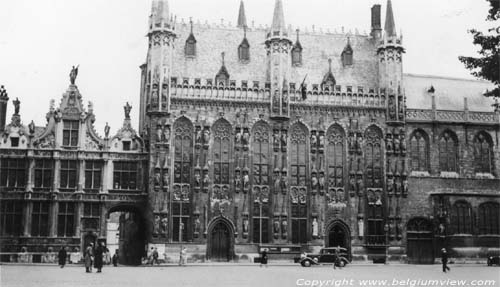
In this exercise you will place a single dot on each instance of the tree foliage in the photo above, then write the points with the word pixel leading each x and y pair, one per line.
pixel 487 65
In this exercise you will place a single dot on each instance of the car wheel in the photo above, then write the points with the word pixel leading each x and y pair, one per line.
pixel 342 263
pixel 306 263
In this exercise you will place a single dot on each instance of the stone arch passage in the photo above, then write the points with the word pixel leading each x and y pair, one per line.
pixel 339 234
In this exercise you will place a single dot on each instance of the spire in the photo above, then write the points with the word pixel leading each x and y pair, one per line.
pixel 278 18
pixel 242 18
pixel 390 26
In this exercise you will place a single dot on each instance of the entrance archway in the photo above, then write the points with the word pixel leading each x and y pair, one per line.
pixel 419 238
pixel 126 228
pixel 220 241
pixel 339 235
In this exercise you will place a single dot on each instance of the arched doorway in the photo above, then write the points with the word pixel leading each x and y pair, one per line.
pixel 126 232
pixel 419 238
pixel 220 241
pixel 339 235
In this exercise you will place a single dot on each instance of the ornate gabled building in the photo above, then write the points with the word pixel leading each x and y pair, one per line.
pixel 310 140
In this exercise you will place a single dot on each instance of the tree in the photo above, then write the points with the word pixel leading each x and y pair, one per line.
pixel 487 66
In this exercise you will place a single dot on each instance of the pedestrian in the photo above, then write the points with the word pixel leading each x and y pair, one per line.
pixel 336 262
pixel 115 258
pixel 444 260
pixel 89 257
pixel 183 254
pixel 100 250
pixel 263 258
pixel 155 257
pixel 62 256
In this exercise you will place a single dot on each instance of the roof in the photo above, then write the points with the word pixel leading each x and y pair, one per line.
pixel 449 93
pixel 317 49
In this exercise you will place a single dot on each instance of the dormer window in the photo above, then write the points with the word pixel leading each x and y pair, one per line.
pixel 70 133
pixel 297 52
pixel 244 49
pixel 329 81
pixel 222 77
pixel 347 54
pixel 14 142
pixel 190 48
pixel 126 145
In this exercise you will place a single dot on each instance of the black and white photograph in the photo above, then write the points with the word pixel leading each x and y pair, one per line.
pixel 288 143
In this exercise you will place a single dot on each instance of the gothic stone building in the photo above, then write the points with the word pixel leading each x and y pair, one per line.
pixel 255 138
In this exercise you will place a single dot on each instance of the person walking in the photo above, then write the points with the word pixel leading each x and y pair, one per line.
pixel 89 257
pixel 444 260
pixel 98 256
pixel 263 258
pixel 115 258
pixel 337 262
pixel 62 256
pixel 155 257
pixel 183 254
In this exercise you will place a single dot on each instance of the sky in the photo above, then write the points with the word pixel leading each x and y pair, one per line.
pixel 41 40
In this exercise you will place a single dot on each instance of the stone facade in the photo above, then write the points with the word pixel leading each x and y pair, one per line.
pixel 291 146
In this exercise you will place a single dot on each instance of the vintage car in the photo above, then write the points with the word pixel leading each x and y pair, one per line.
pixel 326 256
pixel 493 260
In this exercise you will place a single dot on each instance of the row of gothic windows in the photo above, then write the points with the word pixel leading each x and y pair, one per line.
pixel 448 148
pixel 488 218
pixel 14 171
pixel 11 218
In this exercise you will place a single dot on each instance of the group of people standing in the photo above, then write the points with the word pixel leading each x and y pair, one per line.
pixel 95 256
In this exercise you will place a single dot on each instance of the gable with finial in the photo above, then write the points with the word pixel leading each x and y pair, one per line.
pixel 329 80
pixel 222 77
pixel 126 139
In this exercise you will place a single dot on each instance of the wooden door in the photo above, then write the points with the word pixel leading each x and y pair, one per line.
pixel 420 244
pixel 220 243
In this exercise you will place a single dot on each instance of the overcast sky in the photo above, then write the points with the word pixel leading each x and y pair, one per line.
pixel 41 39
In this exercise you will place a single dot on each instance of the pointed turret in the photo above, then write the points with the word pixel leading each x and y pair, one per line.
pixel 242 18
pixel 278 18
pixel 4 99
pixel 160 13
pixel 390 26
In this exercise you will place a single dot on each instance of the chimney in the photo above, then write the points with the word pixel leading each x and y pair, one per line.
pixel 376 22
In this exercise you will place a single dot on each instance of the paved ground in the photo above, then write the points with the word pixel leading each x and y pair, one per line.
pixel 248 275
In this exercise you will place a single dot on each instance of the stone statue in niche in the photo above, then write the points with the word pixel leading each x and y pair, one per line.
pixel 277 182
pixel 361 228
pixel 321 141
pixel 359 142
pixel 396 143
pixel 237 137
pixel 164 225
pixel 404 187
pixel 237 180
pixel 314 141
pixel 157 179
pixel 284 183
pixel 206 136
pixel 276 101
pixel 166 134
pixel 390 185
pixel 199 136
pixel 245 225
pixel 206 180
pixel 392 108
pixel 245 140
pixel 159 134
pixel 352 141
pixel 166 178
pixel 276 139
pixel 388 144
pixel 197 178
pixel 276 226
pixel 156 226
pixel 283 140
pixel 315 228
pixel 246 180
pixel 403 142
pixel 314 181
pixel 321 181
pixel 197 225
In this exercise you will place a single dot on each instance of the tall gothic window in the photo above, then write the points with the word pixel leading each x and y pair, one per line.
pixel 448 152
pixel 40 218
pixel 43 174
pixel 261 158
pixel 419 151
pixel 335 156
pixel 66 219
pixel 13 172
pixel 69 175
pixel 183 150
pixel 347 54
pixel 298 178
pixel 11 215
pixel 461 218
pixel 183 162
pixel 483 153
pixel 70 133
pixel 190 47
pixel 489 218
pixel 297 55
pixel 222 151
pixel 373 157
pixel 93 170
pixel 261 161
pixel 244 50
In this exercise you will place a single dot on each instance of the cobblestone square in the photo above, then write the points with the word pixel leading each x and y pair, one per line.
pixel 248 275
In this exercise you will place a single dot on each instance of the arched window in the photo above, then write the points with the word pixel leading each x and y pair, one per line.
pixel 297 53
pixel 190 47
pixel 461 218
pixel 489 218
pixel 483 153
pixel 448 152
pixel 261 162
pixel 347 54
pixel 222 151
pixel 183 162
pixel 419 151
pixel 298 140
pixel 373 157
pixel 244 50
pixel 335 156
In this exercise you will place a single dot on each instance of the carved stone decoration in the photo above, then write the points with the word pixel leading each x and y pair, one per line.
pixel 315 228
pixel 238 183
pixel 245 226
pixel 314 142
pixel 276 228
pixel 294 195
pixel 284 140
pixel 276 140
pixel 177 194
pixel 389 147
pixel 403 142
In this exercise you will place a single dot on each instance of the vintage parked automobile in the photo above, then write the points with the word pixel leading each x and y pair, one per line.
pixel 493 260
pixel 326 256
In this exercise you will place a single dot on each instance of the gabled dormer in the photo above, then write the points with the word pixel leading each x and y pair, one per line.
pixel 297 52
pixel 347 54
pixel 190 46
pixel 244 48
pixel 222 77
pixel 329 81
